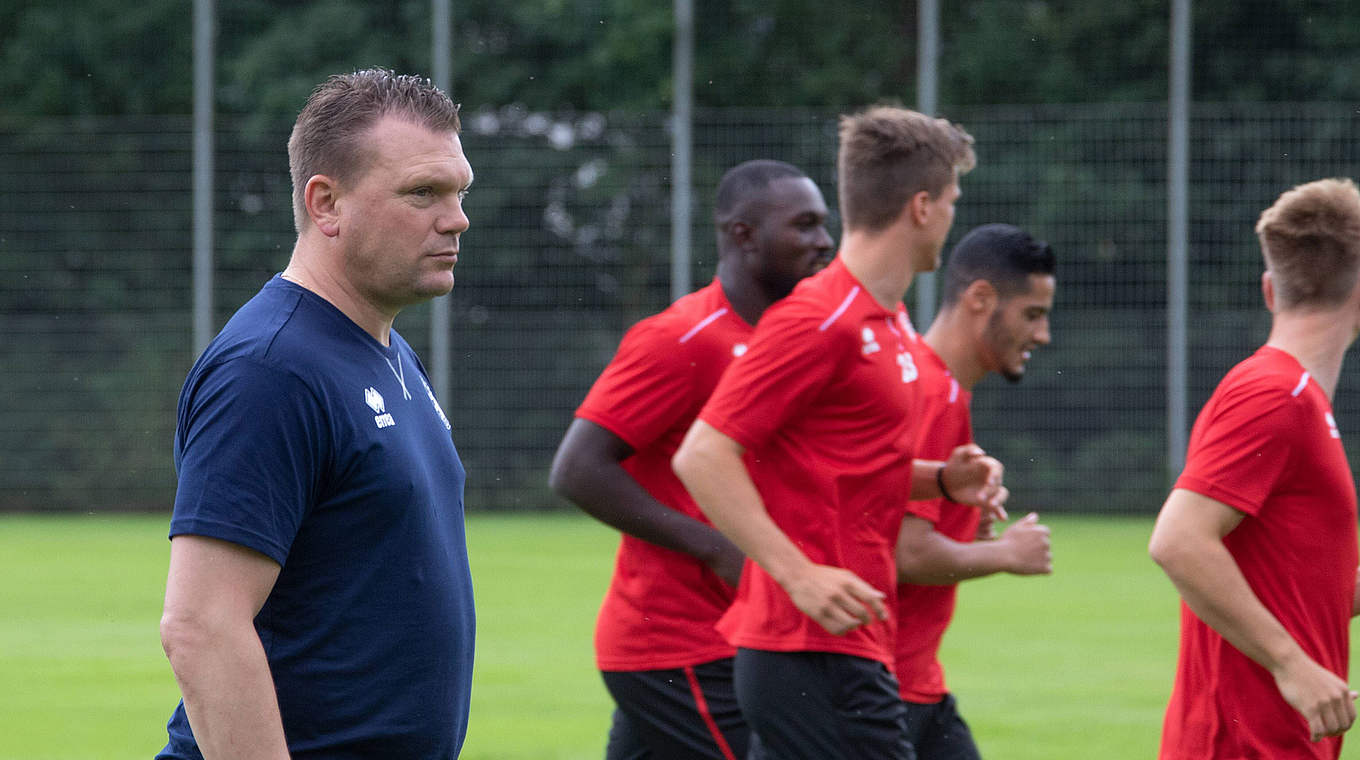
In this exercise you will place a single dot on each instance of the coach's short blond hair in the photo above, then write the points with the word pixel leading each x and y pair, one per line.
pixel 1310 238
pixel 887 155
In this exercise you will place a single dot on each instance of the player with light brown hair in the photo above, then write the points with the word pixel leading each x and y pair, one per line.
pixel 820 409
pixel 888 155
pixel 1259 533
pixel 1310 240
pixel 667 669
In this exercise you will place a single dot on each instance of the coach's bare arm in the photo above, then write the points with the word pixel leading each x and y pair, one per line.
pixel 214 590
pixel 929 558
pixel 709 464
pixel 587 471
pixel 1187 542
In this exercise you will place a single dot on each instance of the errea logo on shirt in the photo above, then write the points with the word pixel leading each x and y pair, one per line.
pixel 866 334
pixel 908 365
pixel 375 402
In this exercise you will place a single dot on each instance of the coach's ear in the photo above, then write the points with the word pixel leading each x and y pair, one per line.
pixel 1268 290
pixel 321 198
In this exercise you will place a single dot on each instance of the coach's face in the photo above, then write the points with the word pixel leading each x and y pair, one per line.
pixel 1017 326
pixel 400 219
pixel 788 236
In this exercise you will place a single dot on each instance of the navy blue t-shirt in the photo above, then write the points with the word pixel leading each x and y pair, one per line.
pixel 303 438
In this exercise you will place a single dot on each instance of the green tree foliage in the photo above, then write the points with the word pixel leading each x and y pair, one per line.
pixel 272 53
pixel 104 57
pixel 1069 51
pixel 803 52
pixel 563 54
pixel 564 108
pixel 1062 51
pixel 111 58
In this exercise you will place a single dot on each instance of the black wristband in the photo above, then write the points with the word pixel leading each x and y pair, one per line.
pixel 939 481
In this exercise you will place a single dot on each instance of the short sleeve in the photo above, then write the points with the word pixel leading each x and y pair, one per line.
pixel 647 386
pixel 249 450
pixel 926 509
pixel 945 425
pixel 789 362
pixel 1241 447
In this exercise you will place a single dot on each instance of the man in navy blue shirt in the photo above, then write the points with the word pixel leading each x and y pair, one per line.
pixel 319 603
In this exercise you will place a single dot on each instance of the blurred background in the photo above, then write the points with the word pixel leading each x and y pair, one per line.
pixel 570 120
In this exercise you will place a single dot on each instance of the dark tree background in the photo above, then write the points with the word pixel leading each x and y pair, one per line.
pixel 566 102
pixel 108 57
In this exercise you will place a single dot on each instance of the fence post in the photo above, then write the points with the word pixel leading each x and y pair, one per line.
pixel 441 364
pixel 682 117
pixel 204 32
pixel 1177 220
pixel 927 78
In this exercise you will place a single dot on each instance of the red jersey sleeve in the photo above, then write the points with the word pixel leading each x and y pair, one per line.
pixel 1240 446
pixel 646 387
pixel 926 509
pixel 790 360
pixel 943 421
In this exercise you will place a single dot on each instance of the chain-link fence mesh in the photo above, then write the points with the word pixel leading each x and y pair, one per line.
pixel 569 245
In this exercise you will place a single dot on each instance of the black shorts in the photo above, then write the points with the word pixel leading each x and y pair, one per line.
pixel 821 706
pixel 676 714
pixel 938 731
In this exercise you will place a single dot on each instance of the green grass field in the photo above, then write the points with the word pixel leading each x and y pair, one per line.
pixel 1077 665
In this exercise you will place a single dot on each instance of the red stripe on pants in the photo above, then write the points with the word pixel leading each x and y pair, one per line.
pixel 702 704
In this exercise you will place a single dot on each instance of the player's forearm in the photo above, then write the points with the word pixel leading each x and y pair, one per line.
pixel 604 490
pixel 969 476
pixel 924 480
pixel 1215 590
pixel 941 561
pixel 710 466
pixel 228 691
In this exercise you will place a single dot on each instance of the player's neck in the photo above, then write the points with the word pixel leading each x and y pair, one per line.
pixel 881 262
pixel 1317 339
pixel 303 270
pixel 953 342
pixel 746 297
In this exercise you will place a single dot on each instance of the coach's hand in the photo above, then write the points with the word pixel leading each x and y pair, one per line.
pixel 836 598
pixel 1325 700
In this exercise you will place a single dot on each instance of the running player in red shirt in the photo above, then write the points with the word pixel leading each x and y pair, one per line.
pixel 996 296
pixel 668 670
pixel 1259 533
pixel 804 453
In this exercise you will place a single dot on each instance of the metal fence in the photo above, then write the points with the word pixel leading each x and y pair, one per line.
pixel 569 245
